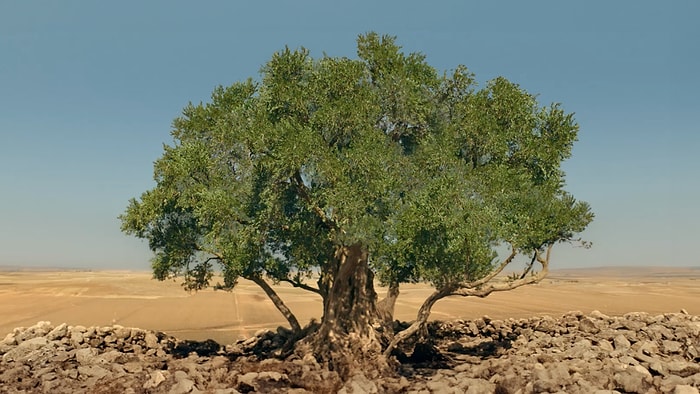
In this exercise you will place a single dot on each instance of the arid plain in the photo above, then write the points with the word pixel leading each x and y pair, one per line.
pixel 133 299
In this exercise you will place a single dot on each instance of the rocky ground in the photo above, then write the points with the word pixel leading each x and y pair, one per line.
pixel 575 353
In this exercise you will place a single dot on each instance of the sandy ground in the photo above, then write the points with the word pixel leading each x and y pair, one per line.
pixel 133 299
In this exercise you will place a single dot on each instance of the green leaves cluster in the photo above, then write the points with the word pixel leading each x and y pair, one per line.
pixel 429 172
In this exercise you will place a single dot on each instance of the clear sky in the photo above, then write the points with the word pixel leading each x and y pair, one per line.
pixel 88 91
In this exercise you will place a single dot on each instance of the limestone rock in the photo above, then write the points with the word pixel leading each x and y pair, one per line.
pixel 596 314
pixel 93 371
pixel 183 384
pixel 621 342
pixel 574 353
pixel 633 380
pixel 25 349
pixel 588 325
pixel 151 341
pixel 155 379
pixel 87 356
pixel 476 386
pixel 58 332
pixel 682 368
pixel 685 389
pixel 359 384
pixel 247 381
pixel 672 346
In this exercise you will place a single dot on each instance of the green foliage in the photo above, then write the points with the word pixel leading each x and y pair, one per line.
pixel 427 171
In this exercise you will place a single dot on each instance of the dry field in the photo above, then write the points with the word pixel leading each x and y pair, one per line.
pixel 133 299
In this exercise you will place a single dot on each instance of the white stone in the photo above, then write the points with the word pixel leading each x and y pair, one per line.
pixel 685 389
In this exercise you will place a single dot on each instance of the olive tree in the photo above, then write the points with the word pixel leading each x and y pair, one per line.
pixel 332 174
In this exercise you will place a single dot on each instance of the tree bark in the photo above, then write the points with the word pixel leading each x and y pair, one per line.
pixel 351 305
pixel 386 306
pixel 421 318
pixel 347 339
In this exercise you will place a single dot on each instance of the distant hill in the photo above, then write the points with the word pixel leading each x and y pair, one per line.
pixel 31 268
pixel 628 272
pixel 606 271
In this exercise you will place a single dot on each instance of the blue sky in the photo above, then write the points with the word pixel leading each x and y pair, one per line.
pixel 88 91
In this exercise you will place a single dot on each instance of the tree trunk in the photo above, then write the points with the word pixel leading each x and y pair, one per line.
pixel 347 339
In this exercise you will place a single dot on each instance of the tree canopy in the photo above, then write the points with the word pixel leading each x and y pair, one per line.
pixel 415 175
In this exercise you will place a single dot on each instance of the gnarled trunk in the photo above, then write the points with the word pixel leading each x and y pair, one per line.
pixel 347 339
pixel 351 305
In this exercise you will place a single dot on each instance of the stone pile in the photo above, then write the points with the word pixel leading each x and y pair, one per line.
pixel 77 359
pixel 576 353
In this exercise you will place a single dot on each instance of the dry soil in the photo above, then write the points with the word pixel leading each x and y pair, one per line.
pixel 133 299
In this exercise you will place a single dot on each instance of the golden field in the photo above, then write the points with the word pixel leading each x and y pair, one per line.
pixel 133 299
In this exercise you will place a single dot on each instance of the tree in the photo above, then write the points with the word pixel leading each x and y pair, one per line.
pixel 343 170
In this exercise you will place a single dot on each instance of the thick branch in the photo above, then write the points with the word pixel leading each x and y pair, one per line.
pixel 482 292
pixel 216 256
pixel 529 266
pixel 212 258
pixel 423 314
pixel 545 261
pixel 385 307
pixel 293 322
pixel 301 285
pixel 304 192
pixel 493 273
pixel 474 288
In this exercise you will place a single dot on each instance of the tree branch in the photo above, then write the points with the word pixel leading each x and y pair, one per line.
pixel 423 314
pixel 301 285
pixel 482 292
pixel 493 273
pixel 529 266
pixel 304 192
pixel 474 288
pixel 279 304
pixel 545 261
pixel 212 258
pixel 387 304
pixel 217 256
